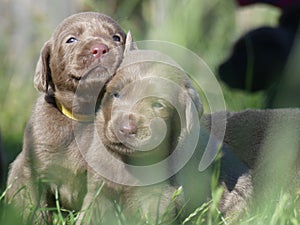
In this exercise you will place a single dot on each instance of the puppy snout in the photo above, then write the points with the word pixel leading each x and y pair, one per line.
pixel 98 50
pixel 128 129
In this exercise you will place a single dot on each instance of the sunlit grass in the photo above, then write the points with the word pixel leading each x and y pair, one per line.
pixel 285 210
pixel 280 207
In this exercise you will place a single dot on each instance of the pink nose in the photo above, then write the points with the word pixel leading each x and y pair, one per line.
pixel 98 50
pixel 128 129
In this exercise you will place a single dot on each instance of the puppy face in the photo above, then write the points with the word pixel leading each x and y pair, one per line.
pixel 131 127
pixel 144 109
pixel 83 45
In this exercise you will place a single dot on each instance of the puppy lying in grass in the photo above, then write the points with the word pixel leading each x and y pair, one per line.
pixel 145 133
pixel 267 141
pixel 81 55
pixel 248 132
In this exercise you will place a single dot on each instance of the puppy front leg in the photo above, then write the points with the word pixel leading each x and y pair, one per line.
pixel 158 203
pixel 24 193
pixel 97 208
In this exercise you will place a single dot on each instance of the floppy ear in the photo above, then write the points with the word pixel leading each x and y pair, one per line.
pixel 193 98
pixel 129 44
pixel 42 75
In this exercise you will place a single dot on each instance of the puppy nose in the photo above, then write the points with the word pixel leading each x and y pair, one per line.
pixel 99 49
pixel 128 129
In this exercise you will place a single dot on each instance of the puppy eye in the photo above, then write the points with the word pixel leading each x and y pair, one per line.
pixel 116 38
pixel 76 78
pixel 115 95
pixel 157 105
pixel 71 40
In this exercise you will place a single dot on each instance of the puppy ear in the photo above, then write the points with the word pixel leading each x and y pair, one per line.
pixel 193 99
pixel 129 43
pixel 42 75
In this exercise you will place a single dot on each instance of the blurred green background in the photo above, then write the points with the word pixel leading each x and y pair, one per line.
pixel 208 28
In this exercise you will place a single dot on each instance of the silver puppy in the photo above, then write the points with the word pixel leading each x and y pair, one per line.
pixel 139 103
pixel 148 95
pixel 81 55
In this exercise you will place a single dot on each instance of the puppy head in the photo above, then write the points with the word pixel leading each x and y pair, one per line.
pixel 290 18
pixel 146 108
pixel 257 60
pixel 84 45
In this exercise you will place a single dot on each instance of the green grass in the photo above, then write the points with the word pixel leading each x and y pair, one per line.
pixel 285 210
pixel 276 206
pixel 207 213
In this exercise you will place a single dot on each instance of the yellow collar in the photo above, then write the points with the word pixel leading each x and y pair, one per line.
pixel 71 115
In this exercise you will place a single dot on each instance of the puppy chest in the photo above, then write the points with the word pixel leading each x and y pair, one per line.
pixel 71 191
pixel 67 177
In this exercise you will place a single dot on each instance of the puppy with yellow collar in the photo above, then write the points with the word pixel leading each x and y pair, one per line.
pixel 81 56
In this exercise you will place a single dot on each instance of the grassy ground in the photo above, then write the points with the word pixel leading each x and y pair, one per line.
pixel 208 28
pixel 280 210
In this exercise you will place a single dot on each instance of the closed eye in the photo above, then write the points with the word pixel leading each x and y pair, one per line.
pixel 71 40
pixel 157 105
